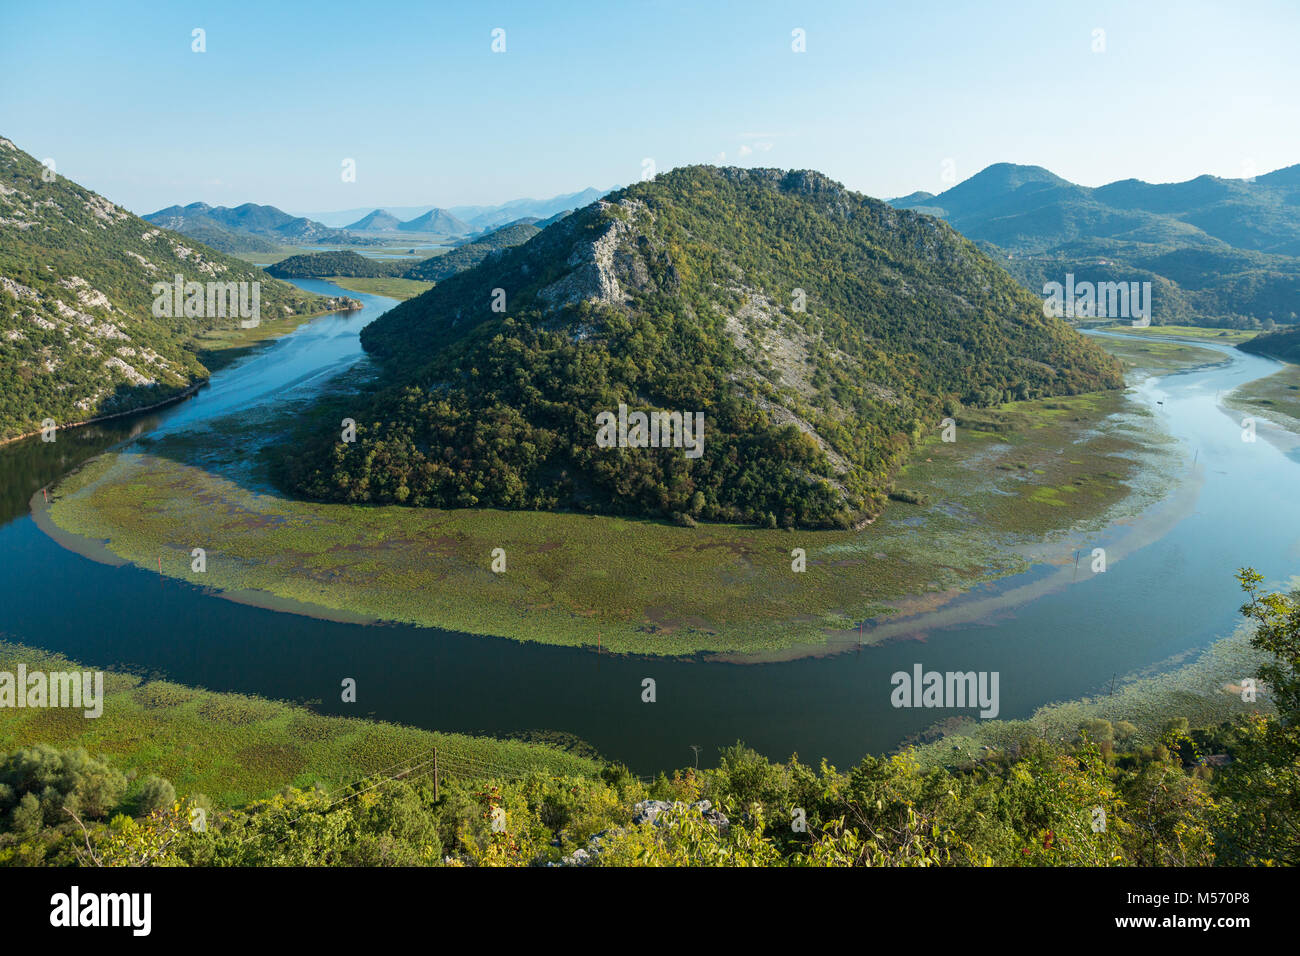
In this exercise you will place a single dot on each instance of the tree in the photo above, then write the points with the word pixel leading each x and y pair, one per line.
pixel 155 794
pixel 1260 789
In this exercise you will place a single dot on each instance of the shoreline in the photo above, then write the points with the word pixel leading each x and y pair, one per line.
pixel 188 391
pixel 929 609
pixel 748 610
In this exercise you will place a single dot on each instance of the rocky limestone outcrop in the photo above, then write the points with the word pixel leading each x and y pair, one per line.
pixel 596 264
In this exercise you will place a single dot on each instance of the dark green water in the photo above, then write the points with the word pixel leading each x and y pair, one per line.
pixel 1175 594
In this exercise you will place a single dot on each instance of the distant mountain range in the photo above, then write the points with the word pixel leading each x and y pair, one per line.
pixel 438 221
pixel 247 228
pixel 475 218
pixel 88 326
pixel 1217 251
pixel 435 222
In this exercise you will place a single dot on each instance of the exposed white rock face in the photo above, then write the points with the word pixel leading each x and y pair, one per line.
pixel 18 290
pixel 148 266
pixel 102 209
pixel 593 277
pixel 87 296
pixel 135 378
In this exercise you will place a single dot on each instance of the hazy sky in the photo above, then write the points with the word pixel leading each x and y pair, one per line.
pixel 886 98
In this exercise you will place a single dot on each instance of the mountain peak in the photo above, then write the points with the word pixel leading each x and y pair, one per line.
pixel 679 294
pixel 1012 176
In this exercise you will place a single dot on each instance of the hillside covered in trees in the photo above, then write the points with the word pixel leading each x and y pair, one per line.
pixel 819 332
pixel 78 338
pixel 1282 344
pixel 343 262
pixel 1217 252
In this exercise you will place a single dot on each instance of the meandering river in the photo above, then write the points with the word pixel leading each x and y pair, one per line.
pixel 1169 596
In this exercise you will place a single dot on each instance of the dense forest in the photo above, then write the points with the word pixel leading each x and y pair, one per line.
pixel 1225 795
pixel 818 331
pixel 78 338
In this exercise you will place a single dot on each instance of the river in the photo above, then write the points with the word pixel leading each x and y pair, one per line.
pixel 1167 597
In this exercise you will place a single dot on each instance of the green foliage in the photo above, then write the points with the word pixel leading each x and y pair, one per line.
pixel 78 339
pixel 57 782
pixel 437 268
pixel 1037 803
pixel 1217 252
pixel 155 794
pixel 1283 344
pixel 340 263
pixel 1261 816
pixel 904 321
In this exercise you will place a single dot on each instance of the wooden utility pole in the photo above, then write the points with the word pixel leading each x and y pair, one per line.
pixel 435 774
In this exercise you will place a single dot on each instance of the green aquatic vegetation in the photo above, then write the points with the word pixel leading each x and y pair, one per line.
pixel 623 584
pixel 236 748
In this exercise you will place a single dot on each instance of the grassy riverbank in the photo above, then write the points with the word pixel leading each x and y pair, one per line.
pixel 236 748
pixel 1219 336
pixel 1205 688
pixel 1160 357
pixel 1276 397
pixel 217 348
pixel 391 286
pixel 1017 485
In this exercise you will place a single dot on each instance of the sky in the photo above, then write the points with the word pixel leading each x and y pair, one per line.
pixel 886 98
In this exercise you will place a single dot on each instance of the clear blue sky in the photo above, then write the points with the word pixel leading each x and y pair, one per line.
pixel 585 91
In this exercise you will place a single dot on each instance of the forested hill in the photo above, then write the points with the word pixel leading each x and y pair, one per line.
pixel 77 335
pixel 437 268
pixel 1221 252
pixel 1283 344
pixel 342 262
pixel 819 332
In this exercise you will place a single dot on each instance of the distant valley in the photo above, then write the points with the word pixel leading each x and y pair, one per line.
pixel 476 218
